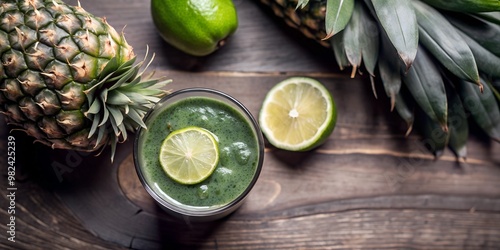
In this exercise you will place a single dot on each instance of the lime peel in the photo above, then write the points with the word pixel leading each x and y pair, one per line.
pixel 198 27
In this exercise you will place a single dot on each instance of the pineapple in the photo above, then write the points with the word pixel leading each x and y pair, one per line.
pixel 67 78
pixel 437 60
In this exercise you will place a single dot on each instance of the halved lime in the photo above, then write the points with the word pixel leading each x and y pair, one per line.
pixel 298 114
pixel 189 155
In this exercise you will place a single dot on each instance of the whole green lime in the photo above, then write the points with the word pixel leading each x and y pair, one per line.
pixel 197 27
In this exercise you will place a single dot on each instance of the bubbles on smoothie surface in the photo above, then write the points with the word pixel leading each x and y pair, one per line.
pixel 241 152
pixel 236 151
pixel 203 192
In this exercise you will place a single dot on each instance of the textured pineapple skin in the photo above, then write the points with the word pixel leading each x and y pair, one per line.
pixel 310 20
pixel 50 53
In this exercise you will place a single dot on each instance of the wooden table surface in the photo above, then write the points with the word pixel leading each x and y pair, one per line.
pixel 368 186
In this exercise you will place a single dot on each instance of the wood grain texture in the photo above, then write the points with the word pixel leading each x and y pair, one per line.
pixel 368 186
pixel 259 44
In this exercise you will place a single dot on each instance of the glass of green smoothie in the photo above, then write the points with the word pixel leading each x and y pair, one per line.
pixel 240 150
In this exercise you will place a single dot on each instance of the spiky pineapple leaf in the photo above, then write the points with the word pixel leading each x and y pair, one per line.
pixel 486 61
pixel 458 124
pixel 405 111
pixel 136 117
pixel 339 52
pixel 110 68
pixel 94 108
pixel 338 14
pixel 398 20
pixel 93 127
pixel 389 69
pixel 369 39
pixel 302 3
pixel 351 36
pixel 495 91
pixel 114 126
pixel 466 5
pixel 118 98
pixel 101 133
pixel 485 33
pixel 113 142
pixel 105 116
pixel 361 42
pixel 445 43
pixel 426 85
pixel 115 114
pixel 492 17
pixel 483 107
pixel 435 139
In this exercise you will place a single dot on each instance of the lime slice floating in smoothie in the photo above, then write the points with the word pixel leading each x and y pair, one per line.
pixel 298 114
pixel 189 155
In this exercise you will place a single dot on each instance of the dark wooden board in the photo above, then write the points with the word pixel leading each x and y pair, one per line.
pixel 259 44
pixel 368 186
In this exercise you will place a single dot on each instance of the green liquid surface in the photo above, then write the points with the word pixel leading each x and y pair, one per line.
pixel 238 148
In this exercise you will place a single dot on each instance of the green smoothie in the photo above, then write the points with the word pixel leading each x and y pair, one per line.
pixel 238 150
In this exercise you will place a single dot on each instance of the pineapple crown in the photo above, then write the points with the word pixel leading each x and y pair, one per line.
pixel 118 100
pixel 454 75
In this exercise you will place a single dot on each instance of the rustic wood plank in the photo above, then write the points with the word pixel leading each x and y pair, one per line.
pixel 366 169
pixel 42 221
pixel 356 174
pixel 259 44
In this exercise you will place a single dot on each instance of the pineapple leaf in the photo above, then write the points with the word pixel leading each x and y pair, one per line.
pixel 495 91
pixel 138 98
pixel 95 107
pixel 466 5
pixel 100 135
pixel 445 43
pixel 487 34
pixel 123 131
pixel 389 69
pixel 369 39
pixel 127 65
pixel 352 36
pixel 486 61
pixel 110 67
pixel 105 114
pixel 492 17
pixel 150 83
pixel 128 125
pixel 483 107
pixel 136 117
pixel 405 111
pixel 339 51
pixel 113 142
pixel 129 74
pixel 115 114
pixel 398 20
pixel 425 83
pixel 338 14
pixel 435 139
pixel 118 98
pixel 93 127
pixel 149 92
pixel 302 3
pixel 114 126
pixel 125 109
pixel 457 123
